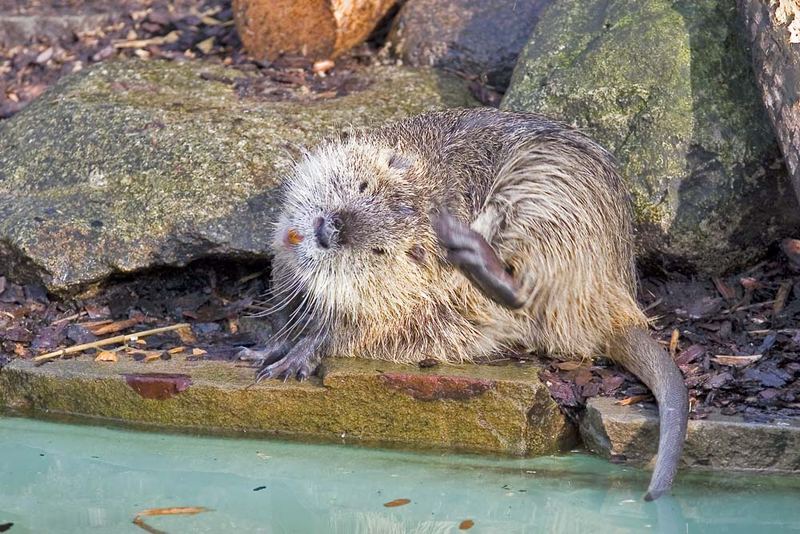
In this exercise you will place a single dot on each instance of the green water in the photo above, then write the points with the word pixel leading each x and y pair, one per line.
pixel 65 478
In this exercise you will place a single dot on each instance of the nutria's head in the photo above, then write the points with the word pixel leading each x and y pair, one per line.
pixel 355 231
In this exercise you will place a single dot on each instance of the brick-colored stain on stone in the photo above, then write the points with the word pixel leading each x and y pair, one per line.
pixel 436 387
pixel 158 386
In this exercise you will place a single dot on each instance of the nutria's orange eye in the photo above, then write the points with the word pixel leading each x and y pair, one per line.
pixel 294 237
pixel 378 251
pixel 362 187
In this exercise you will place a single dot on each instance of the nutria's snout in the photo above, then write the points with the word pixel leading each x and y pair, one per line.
pixel 328 230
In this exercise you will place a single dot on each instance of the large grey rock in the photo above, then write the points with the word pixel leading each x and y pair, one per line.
pixel 668 88
pixel 629 434
pixel 471 36
pixel 774 32
pixel 138 164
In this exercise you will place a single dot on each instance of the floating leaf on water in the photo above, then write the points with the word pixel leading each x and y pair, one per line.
pixel 466 524
pixel 397 502
pixel 5 527
pixel 180 510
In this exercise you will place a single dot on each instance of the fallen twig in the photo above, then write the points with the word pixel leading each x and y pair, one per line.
pixel 748 307
pixel 109 341
pixel 778 331
pixel 68 318
pixel 171 37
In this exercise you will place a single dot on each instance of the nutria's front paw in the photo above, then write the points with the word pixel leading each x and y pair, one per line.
pixel 300 361
pixel 271 354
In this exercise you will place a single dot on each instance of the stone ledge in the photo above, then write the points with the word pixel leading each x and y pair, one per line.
pixel 499 409
pixel 630 434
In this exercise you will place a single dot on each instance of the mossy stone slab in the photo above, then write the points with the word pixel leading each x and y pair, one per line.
pixel 498 409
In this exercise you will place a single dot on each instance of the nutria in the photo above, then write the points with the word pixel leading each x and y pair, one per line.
pixel 460 235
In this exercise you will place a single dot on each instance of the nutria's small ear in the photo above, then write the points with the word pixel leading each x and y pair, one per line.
pixel 395 160
pixel 417 253
pixel 399 162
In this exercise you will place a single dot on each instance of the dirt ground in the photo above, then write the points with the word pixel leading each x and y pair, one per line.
pixel 736 339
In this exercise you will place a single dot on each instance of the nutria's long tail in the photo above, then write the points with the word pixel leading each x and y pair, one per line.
pixel 640 354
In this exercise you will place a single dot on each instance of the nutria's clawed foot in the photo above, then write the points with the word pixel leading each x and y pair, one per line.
pixel 475 258
pixel 285 361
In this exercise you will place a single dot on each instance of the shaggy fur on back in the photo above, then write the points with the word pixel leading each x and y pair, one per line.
pixel 546 197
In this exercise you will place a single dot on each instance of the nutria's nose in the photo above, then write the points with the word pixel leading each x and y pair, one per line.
pixel 327 230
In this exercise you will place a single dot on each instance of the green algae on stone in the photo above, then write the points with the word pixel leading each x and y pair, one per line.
pixel 515 415
pixel 667 88
pixel 133 164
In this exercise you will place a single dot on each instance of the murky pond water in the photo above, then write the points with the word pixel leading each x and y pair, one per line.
pixel 63 478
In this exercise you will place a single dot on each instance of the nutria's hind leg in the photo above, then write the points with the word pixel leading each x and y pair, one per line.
pixel 469 251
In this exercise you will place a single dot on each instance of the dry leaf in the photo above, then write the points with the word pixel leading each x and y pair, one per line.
pixel 724 289
pixel 171 37
pixel 397 502
pixel 736 361
pixel 632 400
pixel 206 45
pixel 209 21
pixel 106 356
pixel 466 524
pixel 116 326
pixel 321 67
pixel 233 326
pixel 568 366
pixel 45 56
pixel 198 352
pixel 673 342
pixel 781 296
pixel 187 336
pixel 152 356
pixel 176 350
